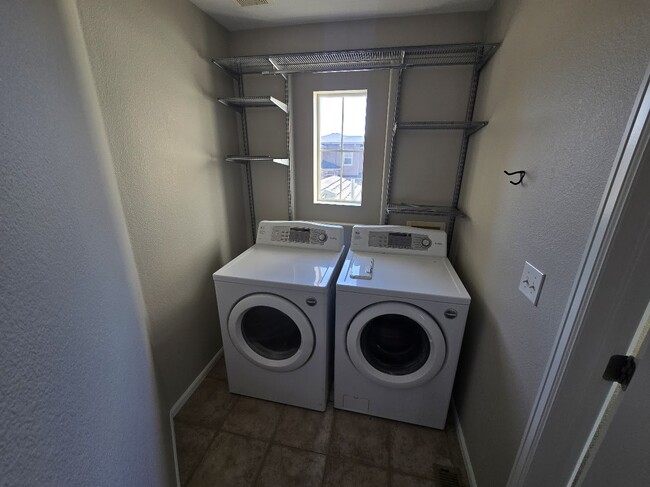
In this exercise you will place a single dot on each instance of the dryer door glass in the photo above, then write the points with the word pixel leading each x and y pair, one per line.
pixel 395 344
pixel 270 332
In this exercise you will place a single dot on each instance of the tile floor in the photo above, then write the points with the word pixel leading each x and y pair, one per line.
pixel 227 440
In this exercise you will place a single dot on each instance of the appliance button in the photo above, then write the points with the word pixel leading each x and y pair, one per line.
pixel 322 237
pixel 311 301
pixel 426 243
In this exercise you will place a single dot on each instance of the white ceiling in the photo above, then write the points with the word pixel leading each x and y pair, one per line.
pixel 292 12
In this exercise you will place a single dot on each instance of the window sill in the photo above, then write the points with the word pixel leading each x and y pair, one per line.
pixel 338 203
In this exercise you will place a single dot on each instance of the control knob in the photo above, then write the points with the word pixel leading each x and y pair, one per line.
pixel 322 237
pixel 426 243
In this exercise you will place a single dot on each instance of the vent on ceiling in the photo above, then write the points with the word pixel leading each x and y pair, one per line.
pixel 251 3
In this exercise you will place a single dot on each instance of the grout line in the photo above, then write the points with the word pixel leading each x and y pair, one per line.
pixel 215 438
pixel 328 454
pixel 266 452
pixel 216 433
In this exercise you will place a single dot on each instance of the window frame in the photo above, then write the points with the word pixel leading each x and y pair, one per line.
pixel 317 144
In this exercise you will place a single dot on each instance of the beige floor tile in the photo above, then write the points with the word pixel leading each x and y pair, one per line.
pixel 285 467
pixel 305 429
pixel 416 449
pixel 253 417
pixel 231 461
pixel 402 480
pixel 361 437
pixel 218 372
pixel 209 405
pixel 191 444
pixel 345 472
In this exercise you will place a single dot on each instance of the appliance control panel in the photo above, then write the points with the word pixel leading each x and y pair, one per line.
pixel 393 239
pixel 300 234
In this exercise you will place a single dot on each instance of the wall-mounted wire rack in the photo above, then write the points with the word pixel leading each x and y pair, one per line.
pixel 359 59
pixel 393 58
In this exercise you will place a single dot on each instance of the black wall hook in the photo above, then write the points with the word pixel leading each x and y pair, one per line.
pixel 521 176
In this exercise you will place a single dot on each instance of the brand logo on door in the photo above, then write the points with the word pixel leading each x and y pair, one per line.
pixel 451 313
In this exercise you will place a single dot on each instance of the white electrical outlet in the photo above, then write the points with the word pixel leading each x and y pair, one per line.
pixel 531 282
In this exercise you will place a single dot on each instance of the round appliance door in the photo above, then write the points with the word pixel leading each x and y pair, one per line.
pixel 396 344
pixel 271 332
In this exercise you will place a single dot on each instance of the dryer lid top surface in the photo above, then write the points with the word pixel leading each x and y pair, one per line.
pixel 404 276
pixel 282 266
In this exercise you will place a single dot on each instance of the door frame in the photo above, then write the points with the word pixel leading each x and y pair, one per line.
pixel 628 158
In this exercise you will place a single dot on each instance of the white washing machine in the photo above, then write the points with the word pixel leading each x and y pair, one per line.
pixel 276 308
pixel 400 318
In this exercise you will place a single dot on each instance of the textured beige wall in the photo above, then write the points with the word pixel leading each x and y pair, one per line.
pixel 426 162
pixel 168 135
pixel 557 95
pixel 78 399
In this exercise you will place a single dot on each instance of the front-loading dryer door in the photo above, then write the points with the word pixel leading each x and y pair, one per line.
pixel 396 344
pixel 271 332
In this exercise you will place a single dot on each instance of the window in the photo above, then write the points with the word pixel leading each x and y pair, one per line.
pixel 340 131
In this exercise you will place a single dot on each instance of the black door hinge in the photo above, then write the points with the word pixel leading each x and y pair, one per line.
pixel 620 368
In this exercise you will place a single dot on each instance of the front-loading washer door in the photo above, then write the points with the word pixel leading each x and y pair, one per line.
pixel 271 332
pixel 396 344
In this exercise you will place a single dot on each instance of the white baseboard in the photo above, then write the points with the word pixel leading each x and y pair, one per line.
pixel 178 405
pixel 463 447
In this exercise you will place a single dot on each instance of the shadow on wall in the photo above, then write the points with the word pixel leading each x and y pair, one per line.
pixel 168 136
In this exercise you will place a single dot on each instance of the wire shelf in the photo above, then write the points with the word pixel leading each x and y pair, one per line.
pixel 410 209
pixel 239 103
pixel 470 127
pixel 360 59
pixel 245 159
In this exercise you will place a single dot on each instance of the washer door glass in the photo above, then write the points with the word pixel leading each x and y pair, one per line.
pixel 396 344
pixel 271 332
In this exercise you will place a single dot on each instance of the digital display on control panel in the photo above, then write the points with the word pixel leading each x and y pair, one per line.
pixel 299 235
pixel 399 240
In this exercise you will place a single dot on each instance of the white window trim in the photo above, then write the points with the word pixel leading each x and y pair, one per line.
pixel 318 152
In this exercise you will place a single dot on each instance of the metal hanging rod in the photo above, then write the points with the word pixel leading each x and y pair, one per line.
pixel 359 59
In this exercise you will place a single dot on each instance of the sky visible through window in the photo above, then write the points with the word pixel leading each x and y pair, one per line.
pixel 341 137
pixel 355 115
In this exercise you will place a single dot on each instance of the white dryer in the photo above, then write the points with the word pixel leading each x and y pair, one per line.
pixel 400 318
pixel 276 308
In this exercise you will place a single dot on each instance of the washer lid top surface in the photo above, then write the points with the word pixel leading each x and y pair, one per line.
pixel 404 276
pixel 282 266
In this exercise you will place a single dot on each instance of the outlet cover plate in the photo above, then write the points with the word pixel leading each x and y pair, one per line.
pixel 531 282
